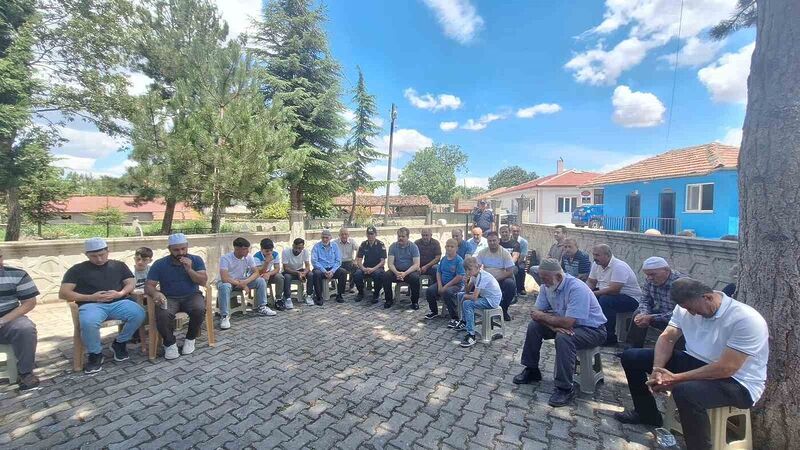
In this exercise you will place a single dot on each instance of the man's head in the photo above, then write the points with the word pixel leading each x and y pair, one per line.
pixel 559 233
pixel 515 231
pixel 178 245
pixel 298 245
pixel 451 247
pixel 402 235
pixel 551 272
pixel 96 251
pixel 426 235
pixel 570 247
pixel 457 234
pixel 656 270
pixel 241 247
pixel 695 297
pixel 477 233
pixel 471 266
pixel 493 240
pixel 326 236
pixel 142 257
pixel 344 234
pixel 505 233
pixel 372 233
pixel 482 204
pixel 601 253
pixel 267 245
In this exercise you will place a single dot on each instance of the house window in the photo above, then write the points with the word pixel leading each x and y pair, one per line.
pixel 598 196
pixel 700 197
pixel 567 204
pixel 66 217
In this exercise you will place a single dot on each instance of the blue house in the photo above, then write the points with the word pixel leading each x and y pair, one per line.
pixel 693 188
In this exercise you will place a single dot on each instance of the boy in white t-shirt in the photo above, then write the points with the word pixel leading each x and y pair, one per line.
pixel 296 265
pixel 485 295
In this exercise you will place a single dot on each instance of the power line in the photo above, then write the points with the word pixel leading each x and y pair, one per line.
pixel 675 76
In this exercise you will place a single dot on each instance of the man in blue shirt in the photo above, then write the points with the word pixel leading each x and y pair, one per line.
pixel 523 259
pixel 483 217
pixel 327 263
pixel 403 268
pixel 465 247
pixel 568 312
pixel 450 276
pixel 174 283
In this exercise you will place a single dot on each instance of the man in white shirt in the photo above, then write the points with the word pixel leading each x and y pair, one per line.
pixel 238 271
pixel 615 285
pixel 478 242
pixel 724 364
pixel 347 249
pixel 497 261
pixel 296 262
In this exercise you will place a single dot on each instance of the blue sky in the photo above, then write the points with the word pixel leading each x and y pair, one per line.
pixel 523 82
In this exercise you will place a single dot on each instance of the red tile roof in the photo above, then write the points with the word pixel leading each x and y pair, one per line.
pixel 568 178
pixel 681 162
pixel 367 200
pixel 93 203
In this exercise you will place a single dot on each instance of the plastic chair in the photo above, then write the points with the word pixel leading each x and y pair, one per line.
pixel 590 369
pixel 624 322
pixel 9 371
pixel 721 425
pixel 488 326
pixel 326 288
pixel 154 339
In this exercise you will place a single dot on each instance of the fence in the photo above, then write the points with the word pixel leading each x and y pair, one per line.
pixel 641 224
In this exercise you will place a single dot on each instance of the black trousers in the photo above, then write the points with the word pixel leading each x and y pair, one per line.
pixel 193 305
pixel 413 284
pixel 350 268
pixel 509 289
pixel 519 277
pixel 377 281
pixel 318 278
pixel 637 335
pixel 692 398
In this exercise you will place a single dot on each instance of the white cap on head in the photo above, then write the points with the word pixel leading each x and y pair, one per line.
pixel 326 232
pixel 655 262
pixel 94 244
pixel 177 239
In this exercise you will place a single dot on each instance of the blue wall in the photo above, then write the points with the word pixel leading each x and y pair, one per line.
pixel 723 220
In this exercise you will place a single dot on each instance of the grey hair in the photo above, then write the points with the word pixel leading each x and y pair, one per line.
pixel 687 289
pixel 604 248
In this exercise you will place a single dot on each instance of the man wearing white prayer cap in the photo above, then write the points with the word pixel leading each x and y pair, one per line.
pixel 174 283
pixel 656 305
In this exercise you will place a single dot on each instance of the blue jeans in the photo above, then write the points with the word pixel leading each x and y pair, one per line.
pixel 468 308
pixel 92 315
pixel 225 290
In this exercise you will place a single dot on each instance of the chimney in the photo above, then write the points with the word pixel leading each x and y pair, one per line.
pixel 560 166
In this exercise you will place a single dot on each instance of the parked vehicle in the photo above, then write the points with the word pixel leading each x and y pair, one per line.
pixel 588 216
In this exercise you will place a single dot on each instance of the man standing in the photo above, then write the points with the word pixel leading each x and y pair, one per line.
pixel 465 248
pixel 238 271
pixel 655 307
pixel 174 283
pixel 17 298
pixel 430 252
pixel 370 260
pixel 327 264
pixel 615 286
pixel 556 250
pixel 403 268
pixel 498 262
pixel 567 312
pixel 347 247
pixel 478 242
pixel 269 261
pixel 575 262
pixel 297 266
pixel 483 217
pixel 725 362
pixel 523 259
pixel 449 282
pixel 101 287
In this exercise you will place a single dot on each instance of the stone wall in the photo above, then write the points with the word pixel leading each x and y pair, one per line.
pixel 707 260
pixel 46 261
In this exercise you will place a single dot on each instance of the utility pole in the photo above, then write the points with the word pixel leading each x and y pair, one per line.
pixel 389 170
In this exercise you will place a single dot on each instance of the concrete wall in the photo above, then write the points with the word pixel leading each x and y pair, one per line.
pixel 707 260
pixel 46 261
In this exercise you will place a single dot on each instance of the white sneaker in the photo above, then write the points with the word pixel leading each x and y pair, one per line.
pixel 309 300
pixel 224 323
pixel 287 303
pixel 264 310
pixel 188 347
pixel 171 352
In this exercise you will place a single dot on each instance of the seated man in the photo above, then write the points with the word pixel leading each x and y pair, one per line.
pixel 498 262
pixel 656 305
pixel 556 250
pixel 484 293
pixel 615 286
pixel 568 312
pixel 430 252
pixel 725 362
pixel 575 262
pixel 465 248
pixel 239 271
pixel 511 245
pixel 327 264
pixel 403 267
pixel 370 260
pixel 174 284
pixel 17 298
pixel 297 266
pixel 523 259
pixel 269 261
pixel 478 242
pixel 102 287
pixel 347 247
pixel 449 282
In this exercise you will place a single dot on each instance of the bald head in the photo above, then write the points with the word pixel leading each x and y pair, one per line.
pixel 477 232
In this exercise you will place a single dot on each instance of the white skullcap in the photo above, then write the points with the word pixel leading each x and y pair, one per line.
pixel 326 232
pixel 177 239
pixel 655 262
pixel 94 244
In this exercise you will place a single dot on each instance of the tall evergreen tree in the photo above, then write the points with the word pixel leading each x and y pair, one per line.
pixel 302 75
pixel 43 189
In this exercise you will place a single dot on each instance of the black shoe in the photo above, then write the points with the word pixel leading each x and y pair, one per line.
pixel 514 300
pixel 453 323
pixel 28 382
pixel 528 376
pixel 507 317
pixel 339 298
pixel 461 325
pixel 318 301
pixel 360 296
pixel 561 397
pixel 522 293
pixel 610 342
pixel 375 299
pixel 388 305
pixel 632 417
pixel 120 350
pixel 280 305
pixel 415 306
pixel 468 341
pixel 431 315
pixel 95 363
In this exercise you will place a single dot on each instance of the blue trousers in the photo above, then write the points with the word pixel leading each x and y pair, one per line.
pixel 468 308
pixel 91 315
pixel 225 290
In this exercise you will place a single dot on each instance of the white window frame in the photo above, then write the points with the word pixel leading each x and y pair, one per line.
pixel 562 204
pixel 698 210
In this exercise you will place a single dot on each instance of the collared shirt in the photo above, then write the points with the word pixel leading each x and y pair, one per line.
pixel 578 264
pixel 346 249
pixel 465 248
pixel 450 268
pixel 428 252
pixel 372 253
pixel 495 262
pixel 403 256
pixel 326 257
pixel 556 251
pixel 477 246
pixel 523 250
pixel 16 286
pixel 483 219
pixel 734 325
pixel 172 278
pixel 274 262
pixel 656 299
pixel 617 271
pixel 238 268
pixel 572 298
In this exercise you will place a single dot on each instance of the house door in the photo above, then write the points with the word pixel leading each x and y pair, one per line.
pixel 633 213
pixel 666 215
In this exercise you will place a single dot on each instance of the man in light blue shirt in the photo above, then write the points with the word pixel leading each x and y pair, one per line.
pixel 568 312
pixel 327 263
pixel 523 257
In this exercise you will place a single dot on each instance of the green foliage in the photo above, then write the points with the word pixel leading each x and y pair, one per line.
pixel 276 210
pixel 362 216
pixel 108 216
pixel 432 172
pixel 510 176
pixel 468 192
pixel 744 17
pixel 43 191
pixel 83 184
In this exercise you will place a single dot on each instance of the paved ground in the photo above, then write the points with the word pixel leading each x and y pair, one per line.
pixel 342 375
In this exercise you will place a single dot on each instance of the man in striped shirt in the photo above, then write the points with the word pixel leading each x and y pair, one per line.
pixel 17 298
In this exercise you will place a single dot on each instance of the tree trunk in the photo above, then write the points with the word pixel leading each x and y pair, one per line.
pixel 216 213
pixel 296 198
pixel 14 214
pixel 769 185
pixel 352 210
pixel 39 229
pixel 169 214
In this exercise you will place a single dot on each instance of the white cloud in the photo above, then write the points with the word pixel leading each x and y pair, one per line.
pixel 432 102
pixel 74 163
pixel 348 115
pixel 482 182
pixel 239 14
pixel 116 170
pixel 694 52
pixel 726 78
pixel 378 173
pixel 733 137
pixel 541 108
pixel 459 18
pixel 634 109
pixel 406 140
pixel 448 126
pixel 87 143
pixel 482 122
pixel 601 67
pixel 139 83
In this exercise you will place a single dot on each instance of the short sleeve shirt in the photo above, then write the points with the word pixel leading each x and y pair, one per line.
pixel 617 271
pixel 489 288
pixel 572 298
pixel 428 252
pixel 577 265
pixel 465 248
pixel 495 263
pixel 734 325
pixel 295 262
pixel 238 269
pixel 141 276
pixel 275 261
pixel 90 278
pixel 451 268
pixel 16 286
pixel 483 219
pixel 172 278
pixel 372 253
pixel 511 245
pixel 346 249
pixel 403 256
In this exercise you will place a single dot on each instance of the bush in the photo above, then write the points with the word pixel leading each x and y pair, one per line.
pixel 362 216
pixel 277 210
